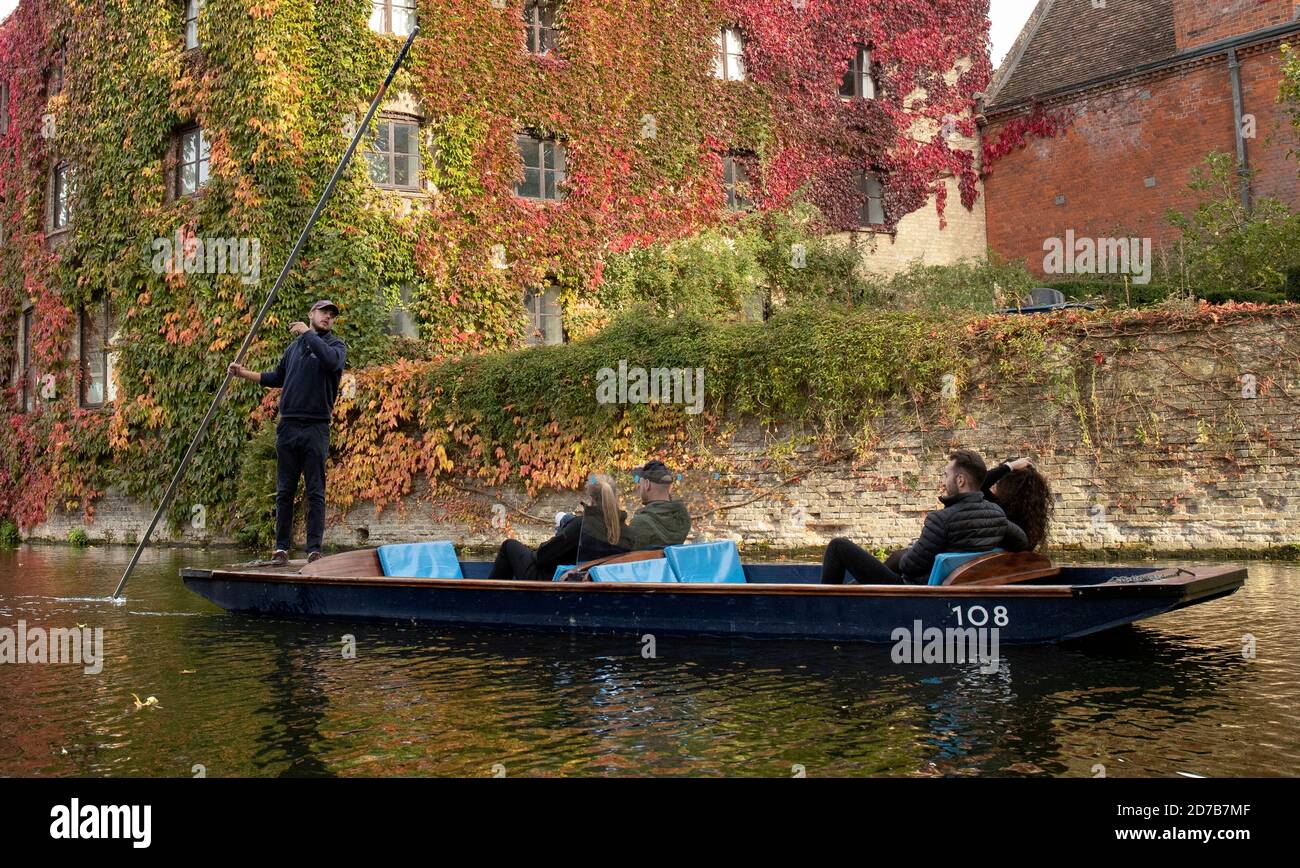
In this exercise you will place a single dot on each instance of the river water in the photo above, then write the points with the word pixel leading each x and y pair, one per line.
pixel 241 696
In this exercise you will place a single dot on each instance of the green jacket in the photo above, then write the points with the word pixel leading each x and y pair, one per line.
pixel 659 523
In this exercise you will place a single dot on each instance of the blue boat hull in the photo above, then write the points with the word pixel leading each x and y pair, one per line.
pixel 766 607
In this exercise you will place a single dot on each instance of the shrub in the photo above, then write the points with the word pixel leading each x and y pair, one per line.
pixel 1229 253
pixel 982 285
pixel 78 537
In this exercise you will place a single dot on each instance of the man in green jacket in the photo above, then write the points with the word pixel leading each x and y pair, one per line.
pixel 661 521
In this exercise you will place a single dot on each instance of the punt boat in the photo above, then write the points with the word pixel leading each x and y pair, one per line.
pixel 1029 599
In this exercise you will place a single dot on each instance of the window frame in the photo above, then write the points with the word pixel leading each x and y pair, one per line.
pixel 401 315
pixel 27 385
pixel 191 23
pixel 862 68
pixel 100 308
pixel 178 173
pixel 865 178
pixel 416 184
pixel 536 31
pixel 722 69
pixel 54 75
pixel 387 6
pixel 62 181
pixel 547 295
pixel 732 170
pixel 558 173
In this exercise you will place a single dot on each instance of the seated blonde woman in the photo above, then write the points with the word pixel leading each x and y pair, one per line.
pixel 594 533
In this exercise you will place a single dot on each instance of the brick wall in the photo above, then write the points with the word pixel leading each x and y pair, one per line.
pixel 1200 22
pixel 1127 157
pixel 1183 438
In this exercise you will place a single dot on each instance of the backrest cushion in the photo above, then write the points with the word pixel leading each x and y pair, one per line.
pixel 706 562
pixel 656 570
pixel 424 560
pixel 948 561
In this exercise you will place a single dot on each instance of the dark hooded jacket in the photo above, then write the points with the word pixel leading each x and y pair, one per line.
pixel 967 523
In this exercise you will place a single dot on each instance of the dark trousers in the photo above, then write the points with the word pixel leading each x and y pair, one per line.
pixel 515 561
pixel 300 449
pixel 843 555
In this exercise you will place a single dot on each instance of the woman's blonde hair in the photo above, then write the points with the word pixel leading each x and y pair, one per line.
pixel 601 493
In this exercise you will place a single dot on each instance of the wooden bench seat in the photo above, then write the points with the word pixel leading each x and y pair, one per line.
pixel 1002 568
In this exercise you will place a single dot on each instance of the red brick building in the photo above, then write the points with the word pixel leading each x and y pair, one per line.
pixel 1145 91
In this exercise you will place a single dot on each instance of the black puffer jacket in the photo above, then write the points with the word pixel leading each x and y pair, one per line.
pixel 967 523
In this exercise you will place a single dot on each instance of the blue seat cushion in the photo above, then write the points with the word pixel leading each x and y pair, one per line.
pixel 424 560
pixel 656 570
pixel 561 570
pixel 945 563
pixel 706 562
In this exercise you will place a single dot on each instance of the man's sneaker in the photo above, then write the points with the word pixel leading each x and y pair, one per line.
pixel 312 557
pixel 280 558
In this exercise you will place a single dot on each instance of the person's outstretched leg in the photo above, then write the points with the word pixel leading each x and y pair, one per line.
pixel 514 561
pixel 842 554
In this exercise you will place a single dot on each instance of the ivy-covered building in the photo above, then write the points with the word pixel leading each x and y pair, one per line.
pixel 158 158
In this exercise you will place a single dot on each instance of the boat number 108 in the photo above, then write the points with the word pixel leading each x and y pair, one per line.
pixel 978 616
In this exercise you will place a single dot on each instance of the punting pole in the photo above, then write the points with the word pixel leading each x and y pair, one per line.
pixel 266 307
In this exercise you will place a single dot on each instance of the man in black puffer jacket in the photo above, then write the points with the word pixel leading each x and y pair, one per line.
pixel 967 523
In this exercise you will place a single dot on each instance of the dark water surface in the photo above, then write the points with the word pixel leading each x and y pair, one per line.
pixel 260 697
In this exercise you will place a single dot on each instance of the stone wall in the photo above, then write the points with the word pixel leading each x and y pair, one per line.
pixel 1176 434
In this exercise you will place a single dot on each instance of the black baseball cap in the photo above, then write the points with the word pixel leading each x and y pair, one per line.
pixel 655 471
pixel 326 303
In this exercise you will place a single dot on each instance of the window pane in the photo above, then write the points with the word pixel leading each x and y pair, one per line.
pixel 28 372
pixel 875 211
pixel 401 170
pixel 92 355
pixel 560 160
pixel 189 177
pixel 377 17
pixel 550 186
pixel 189 147
pixel 738 68
pixel 531 186
pixel 552 331
pixel 403 21
pixel 530 151
pixel 378 165
pixel 402 139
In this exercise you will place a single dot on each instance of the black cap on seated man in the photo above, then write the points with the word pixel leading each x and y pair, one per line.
pixel 661 521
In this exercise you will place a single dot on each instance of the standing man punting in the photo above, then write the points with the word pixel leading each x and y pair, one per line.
pixel 308 377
